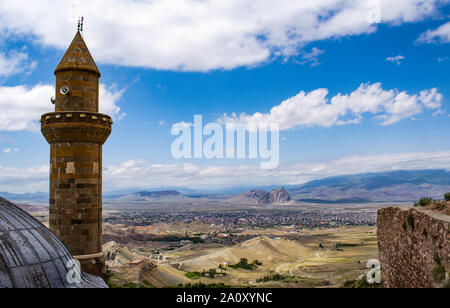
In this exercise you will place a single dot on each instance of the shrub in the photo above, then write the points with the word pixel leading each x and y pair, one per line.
pixel 439 273
pixel 193 275
pixel 424 201
pixel 243 264
pixel 276 277
pixel 447 197
pixel 212 272
pixel 257 263
pixel 200 285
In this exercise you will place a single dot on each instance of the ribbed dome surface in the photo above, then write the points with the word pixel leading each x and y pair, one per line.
pixel 31 256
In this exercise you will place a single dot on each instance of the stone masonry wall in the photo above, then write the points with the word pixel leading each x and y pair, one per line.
pixel 413 243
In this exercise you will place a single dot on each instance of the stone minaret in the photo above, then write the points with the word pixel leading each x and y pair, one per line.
pixel 76 133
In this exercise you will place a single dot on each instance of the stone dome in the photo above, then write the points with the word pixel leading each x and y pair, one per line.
pixel 31 256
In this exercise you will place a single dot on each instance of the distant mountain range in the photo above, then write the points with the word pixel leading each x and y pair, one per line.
pixel 149 196
pixel 401 186
pixel 38 197
pixel 373 187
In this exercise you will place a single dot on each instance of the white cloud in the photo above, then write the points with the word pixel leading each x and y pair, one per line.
pixel 109 98
pixel 16 179
pixel 312 57
pixel 183 124
pixel 15 62
pixel 10 150
pixel 21 107
pixel 162 123
pixel 439 35
pixel 397 59
pixel 316 109
pixel 439 112
pixel 138 173
pixel 201 35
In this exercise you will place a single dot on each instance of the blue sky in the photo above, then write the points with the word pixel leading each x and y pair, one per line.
pixel 159 75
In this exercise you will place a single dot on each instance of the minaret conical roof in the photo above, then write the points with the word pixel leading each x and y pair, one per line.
pixel 78 57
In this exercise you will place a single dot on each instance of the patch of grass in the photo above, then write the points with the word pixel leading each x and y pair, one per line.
pixel 127 285
pixel 194 275
pixel 439 273
pixel 276 277
pixel 200 285
pixel 341 245
pixel 211 273
pixel 360 284
pixel 439 206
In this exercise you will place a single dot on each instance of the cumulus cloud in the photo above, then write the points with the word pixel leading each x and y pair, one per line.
pixel 439 35
pixel 202 35
pixel 18 179
pixel 397 59
pixel 15 62
pixel 139 173
pixel 109 98
pixel 316 109
pixel 21 106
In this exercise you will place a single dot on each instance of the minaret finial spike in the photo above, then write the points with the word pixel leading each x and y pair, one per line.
pixel 82 22
pixel 79 24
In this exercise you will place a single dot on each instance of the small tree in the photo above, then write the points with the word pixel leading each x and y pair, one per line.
pixel 212 272
pixel 447 196
pixel 424 202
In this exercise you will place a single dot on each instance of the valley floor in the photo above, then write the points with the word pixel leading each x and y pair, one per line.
pixel 285 258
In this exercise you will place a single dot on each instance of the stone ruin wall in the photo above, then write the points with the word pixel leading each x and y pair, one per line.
pixel 412 243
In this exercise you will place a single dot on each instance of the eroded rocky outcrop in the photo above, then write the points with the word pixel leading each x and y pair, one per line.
pixel 276 196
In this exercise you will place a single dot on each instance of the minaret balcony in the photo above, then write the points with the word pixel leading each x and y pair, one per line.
pixel 76 127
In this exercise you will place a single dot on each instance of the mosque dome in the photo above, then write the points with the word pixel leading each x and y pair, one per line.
pixel 31 256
